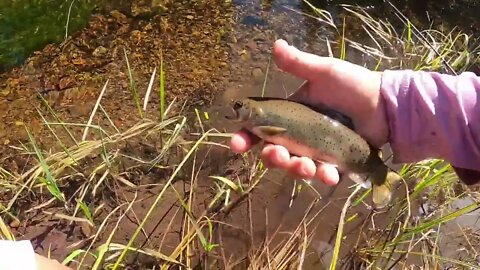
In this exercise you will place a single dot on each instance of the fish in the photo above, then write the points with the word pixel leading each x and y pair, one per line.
pixel 319 133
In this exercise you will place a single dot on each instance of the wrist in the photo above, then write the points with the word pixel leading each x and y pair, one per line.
pixel 374 126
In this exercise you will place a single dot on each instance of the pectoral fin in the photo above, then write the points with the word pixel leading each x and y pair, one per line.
pixel 269 130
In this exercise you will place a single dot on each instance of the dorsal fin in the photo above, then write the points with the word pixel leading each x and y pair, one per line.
pixel 320 108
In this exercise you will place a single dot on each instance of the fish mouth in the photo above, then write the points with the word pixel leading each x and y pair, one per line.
pixel 235 115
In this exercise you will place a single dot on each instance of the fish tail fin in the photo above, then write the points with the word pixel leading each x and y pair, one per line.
pixel 382 193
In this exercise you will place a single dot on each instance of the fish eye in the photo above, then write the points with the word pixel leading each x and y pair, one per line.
pixel 238 104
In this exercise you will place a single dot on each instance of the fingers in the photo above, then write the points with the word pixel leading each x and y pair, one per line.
pixel 328 174
pixel 276 156
pixel 302 167
pixel 301 64
pixel 242 141
pixel 44 263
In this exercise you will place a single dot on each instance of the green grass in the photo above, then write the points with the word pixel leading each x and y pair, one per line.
pixel 182 146
pixel 133 87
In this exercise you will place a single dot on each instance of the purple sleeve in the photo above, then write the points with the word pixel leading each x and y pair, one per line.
pixel 433 115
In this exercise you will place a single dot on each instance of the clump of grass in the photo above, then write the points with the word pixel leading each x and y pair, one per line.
pixel 105 143
pixel 406 234
pixel 430 50
pixel 133 87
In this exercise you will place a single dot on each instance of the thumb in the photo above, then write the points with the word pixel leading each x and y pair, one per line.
pixel 301 64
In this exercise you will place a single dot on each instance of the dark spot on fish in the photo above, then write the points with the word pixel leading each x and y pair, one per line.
pixel 433 133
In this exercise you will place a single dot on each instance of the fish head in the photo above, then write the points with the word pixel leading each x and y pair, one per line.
pixel 245 110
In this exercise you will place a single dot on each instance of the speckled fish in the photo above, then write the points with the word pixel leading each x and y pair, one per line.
pixel 324 135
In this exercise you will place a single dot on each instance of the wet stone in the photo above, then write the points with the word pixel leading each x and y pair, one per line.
pixel 99 51
pixel 80 110
pixel 15 223
pixel 257 72
pixel 252 45
pixel 120 17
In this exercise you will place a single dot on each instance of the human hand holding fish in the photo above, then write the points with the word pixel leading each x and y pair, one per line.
pixel 405 108
pixel 349 88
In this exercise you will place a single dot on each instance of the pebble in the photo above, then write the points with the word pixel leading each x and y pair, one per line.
pixel 65 82
pixel 15 223
pixel 119 16
pixel 252 45
pixel 99 51
pixel 79 110
pixel 257 72
pixel 86 229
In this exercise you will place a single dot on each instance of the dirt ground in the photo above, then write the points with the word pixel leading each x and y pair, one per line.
pixel 212 52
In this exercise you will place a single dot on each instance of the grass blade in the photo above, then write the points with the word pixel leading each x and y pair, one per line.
pixel 162 88
pixel 149 89
pixel 49 180
pixel 266 76
pixel 133 88
pixel 158 198
pixel 85 131
pixel 338 240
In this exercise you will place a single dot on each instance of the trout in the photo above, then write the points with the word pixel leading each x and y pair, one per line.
pixel 321 134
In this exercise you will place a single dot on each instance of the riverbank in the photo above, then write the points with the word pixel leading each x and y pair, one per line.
pixel 160 185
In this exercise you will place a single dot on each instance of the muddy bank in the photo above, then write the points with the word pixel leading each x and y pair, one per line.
pixel 71 75
pixel 212 51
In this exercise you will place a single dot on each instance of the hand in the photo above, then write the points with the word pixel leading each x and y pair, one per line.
pixel 351 89
pixel 44 263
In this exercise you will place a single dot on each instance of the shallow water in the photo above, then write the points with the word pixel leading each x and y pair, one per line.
pixel 257 24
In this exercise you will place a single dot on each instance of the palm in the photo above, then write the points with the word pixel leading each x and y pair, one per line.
pixel 348 88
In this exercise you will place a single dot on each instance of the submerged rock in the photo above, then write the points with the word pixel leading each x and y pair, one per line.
pixel 99 51
pixel 142 8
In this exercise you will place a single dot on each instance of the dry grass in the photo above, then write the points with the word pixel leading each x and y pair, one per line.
pixel 405 236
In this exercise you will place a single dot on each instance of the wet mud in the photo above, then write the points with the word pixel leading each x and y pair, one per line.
pixel 213 51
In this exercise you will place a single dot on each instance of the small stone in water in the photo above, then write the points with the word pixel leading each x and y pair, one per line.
pixel 257 72
pixel 252 45
pixel 99 51
pixel 119 16
pixel 15 223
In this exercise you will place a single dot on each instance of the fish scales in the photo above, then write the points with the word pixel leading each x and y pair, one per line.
pixel 323 135
pixel 326 139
